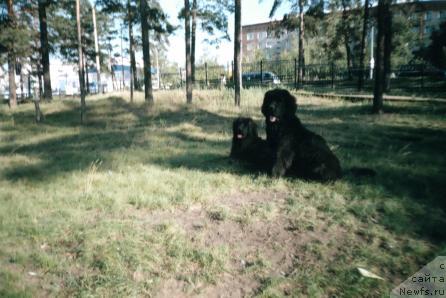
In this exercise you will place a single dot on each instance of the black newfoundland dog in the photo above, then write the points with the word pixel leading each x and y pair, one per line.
pixel 248 147
pixel 297 151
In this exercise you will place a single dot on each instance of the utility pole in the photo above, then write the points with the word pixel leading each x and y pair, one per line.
pixel 96 49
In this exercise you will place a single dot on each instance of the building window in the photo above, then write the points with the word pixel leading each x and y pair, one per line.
pixel 443 14
pixel 250 36
pixel 428 15
pixel 427 29
pixel 250 46
pixel 262 35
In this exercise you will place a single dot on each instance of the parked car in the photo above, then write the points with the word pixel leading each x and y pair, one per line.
pixel 255 78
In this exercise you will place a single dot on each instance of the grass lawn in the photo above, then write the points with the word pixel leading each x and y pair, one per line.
pixel 143 201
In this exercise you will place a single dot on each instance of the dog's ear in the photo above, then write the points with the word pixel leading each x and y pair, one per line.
pixel 266 100
pixel 290 102
pixel 252 128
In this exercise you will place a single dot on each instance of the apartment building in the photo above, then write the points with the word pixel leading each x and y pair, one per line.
pixel 426 17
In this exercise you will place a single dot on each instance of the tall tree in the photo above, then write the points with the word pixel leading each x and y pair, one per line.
pixel 435 53
pixel 80 62
pixel 301 57
pixel 188 52
pixel 131 19
pixel 11 58
pixel 301 27
pixel 237 52
pixel 380 69
pixel 148 92
pixel 365 21
pixel 193 39
pixel 212 17
pixel 346 34
pixel 387 45
pixel 129 12
pixel 96 50
pixel 44 50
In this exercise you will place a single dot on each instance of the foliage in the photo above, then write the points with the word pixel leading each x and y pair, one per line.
pixel 435 53
pixel 213 19
pixel 61 22
pixel 21 25
pixel 404 40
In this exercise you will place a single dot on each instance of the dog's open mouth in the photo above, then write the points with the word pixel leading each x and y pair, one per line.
pixel 273 119
pixel 239 136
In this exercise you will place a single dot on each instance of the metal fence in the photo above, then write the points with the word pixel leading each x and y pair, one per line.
pixel 404 79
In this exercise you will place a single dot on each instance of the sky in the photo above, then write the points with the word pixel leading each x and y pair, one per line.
pixel 253 11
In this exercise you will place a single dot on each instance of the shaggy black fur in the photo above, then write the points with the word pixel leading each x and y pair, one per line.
pixel 248 147
pixel 297 151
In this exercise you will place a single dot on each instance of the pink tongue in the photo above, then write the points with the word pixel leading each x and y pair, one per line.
pixel 239 136
pixel 272 119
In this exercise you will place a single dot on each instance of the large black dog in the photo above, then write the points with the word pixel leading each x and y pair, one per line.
pixel 248 147
pixel 297 151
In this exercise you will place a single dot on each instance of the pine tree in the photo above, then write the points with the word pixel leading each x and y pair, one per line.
pixel 237 51
pixel 188 52
pixel 44 49
pixel 381 53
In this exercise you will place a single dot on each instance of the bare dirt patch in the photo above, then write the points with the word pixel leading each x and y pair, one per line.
pixel 262 246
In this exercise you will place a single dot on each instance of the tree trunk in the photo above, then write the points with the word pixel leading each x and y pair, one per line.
pixel 237 75
pixel 45 51
pixel 22 94
pixel 363 46
pixel 39 78
pixel 188 53
pixel 301 57
pixel 132 54
pixel 193 37
pixel 380 53
pixel 132 49
pixel 96 50
pixel 39 114
pixel 87 80
pixel 11 60
pixel 387 46
pixel 80 62
pixel 346 33
pixel 148 93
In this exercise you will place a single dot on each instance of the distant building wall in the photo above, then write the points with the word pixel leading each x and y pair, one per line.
pixel 426 16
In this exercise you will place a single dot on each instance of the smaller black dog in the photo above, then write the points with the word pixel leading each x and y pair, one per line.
pixel 248 147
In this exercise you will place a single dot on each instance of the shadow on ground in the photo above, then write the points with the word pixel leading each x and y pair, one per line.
pixel 409 160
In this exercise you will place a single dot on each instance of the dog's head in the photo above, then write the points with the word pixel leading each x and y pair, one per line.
pixel 243 128
pixel 278 105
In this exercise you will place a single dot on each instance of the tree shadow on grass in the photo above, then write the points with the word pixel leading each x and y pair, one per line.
pixel 109 130
pixel 409 160
pixel 398 108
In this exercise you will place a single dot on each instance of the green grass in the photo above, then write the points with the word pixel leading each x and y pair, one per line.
pixel 144 201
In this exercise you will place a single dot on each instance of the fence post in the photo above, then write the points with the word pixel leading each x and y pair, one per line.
pixel 232 72
pixel 422 76
pixel 261 72
pixel 295 73
pixel 332 75
pixel 206 73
